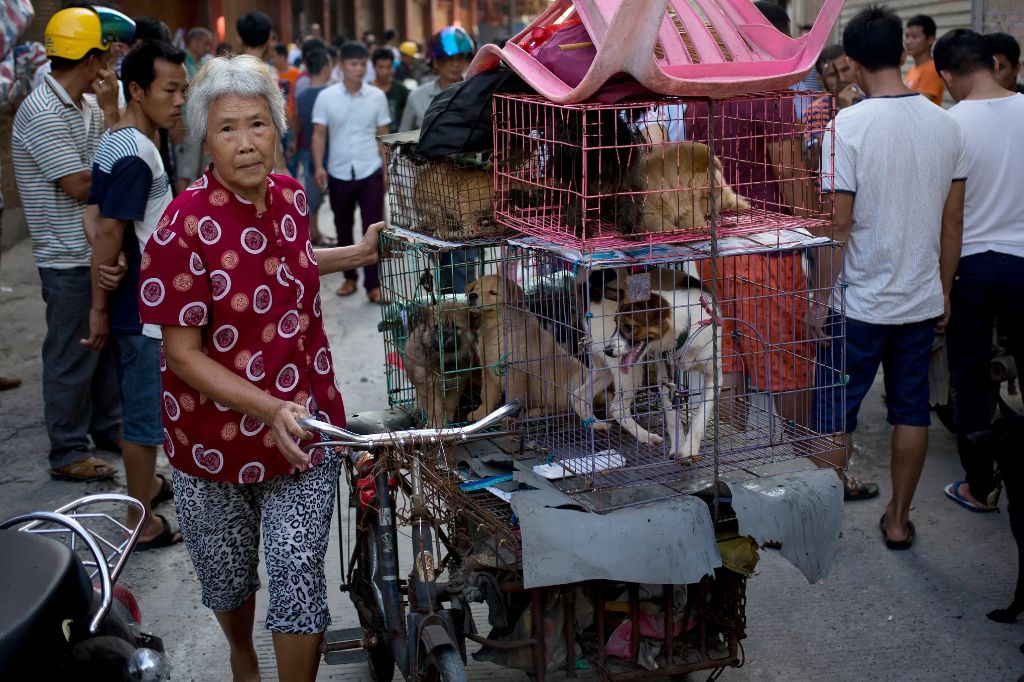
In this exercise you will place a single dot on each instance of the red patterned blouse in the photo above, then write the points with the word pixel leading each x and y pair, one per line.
pixel 250 282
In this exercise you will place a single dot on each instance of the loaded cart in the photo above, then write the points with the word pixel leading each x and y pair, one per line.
pixel 609 382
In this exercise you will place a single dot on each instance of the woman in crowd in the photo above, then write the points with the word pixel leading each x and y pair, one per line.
pixel 234 281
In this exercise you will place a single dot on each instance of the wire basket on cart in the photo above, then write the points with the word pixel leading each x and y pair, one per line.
pixel 452 198
pixel 597 176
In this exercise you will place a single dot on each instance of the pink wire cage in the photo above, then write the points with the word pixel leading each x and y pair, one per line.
pixel 688 48
pixel 660 171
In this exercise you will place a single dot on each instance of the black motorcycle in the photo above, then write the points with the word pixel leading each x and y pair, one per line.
pixel 63 615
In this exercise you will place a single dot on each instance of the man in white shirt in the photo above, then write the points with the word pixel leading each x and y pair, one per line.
pixel 352 114
pixel 902 248
pixel 989 278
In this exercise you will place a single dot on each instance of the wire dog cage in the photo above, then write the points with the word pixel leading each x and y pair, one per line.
pixel 432 333
pixel 452 199
pixel 617 358
pixel 598 176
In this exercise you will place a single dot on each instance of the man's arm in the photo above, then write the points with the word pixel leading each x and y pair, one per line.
pixel 951 241
pixel 319 146
pixel 76 185
pixel 107 88
pixel 106 245
pixel 798 191
pixel 824 273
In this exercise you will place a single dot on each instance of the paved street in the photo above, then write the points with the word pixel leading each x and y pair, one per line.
pixel 916 615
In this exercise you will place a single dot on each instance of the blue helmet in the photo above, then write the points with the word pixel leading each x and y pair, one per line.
pixel 450 42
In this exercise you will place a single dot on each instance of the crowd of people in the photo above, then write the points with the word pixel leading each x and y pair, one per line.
pixel 180 257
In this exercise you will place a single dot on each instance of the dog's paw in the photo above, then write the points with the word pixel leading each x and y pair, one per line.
pixel 686 460
pixel 600 426
pixel 476 415
pixel 650 438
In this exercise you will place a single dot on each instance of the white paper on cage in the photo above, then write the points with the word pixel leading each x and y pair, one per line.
pixel 574 466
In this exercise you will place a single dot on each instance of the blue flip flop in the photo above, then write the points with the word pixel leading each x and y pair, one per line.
pixel 952 491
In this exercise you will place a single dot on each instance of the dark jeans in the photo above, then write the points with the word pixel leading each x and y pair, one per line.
pixel 368 193
pixel 987 286
pixel 81 392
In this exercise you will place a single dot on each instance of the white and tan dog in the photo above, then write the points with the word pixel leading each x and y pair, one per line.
pixel 671 333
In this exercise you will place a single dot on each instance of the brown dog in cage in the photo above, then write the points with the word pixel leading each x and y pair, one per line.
pixel 677 177
pixel 675 338
pixel 454 200
pixel 546 376
pixel 440 354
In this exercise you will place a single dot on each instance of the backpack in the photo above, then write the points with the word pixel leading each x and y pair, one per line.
pixel 458 121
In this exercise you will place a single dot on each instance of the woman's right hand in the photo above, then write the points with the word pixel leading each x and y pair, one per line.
pixel 285 427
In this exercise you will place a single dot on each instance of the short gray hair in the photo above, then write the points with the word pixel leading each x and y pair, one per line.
pixel 239 75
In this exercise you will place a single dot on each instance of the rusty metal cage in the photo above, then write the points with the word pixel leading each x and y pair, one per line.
pixel 452 198
pixel 598 176
pixel 664 373
pixel 431 332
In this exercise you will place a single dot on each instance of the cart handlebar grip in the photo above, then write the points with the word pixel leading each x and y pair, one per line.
pixel 339 436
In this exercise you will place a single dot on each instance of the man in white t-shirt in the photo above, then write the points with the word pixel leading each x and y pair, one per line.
pixel 351 115
pixel 989 278
pixel 131 190
pixel 897 176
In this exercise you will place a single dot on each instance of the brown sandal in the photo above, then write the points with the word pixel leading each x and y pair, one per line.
pixel 84 471
pixel 375 296
pixel 347 288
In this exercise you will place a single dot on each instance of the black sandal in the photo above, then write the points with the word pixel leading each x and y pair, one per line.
pixel 897 545
pixel 166 538
pixel 166 492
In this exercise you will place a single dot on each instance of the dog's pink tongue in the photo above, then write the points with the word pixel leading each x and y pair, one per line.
pixel 631 357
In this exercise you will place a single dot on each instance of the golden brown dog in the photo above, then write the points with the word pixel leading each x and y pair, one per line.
pixel 440 354
pixel 460 199
pixel 543 375
pixel 677 178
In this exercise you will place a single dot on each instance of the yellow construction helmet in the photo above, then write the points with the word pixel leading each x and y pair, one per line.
pixel 409 49
pixel 72 32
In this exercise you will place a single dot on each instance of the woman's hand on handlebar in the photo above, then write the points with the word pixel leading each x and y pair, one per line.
pixel 285 427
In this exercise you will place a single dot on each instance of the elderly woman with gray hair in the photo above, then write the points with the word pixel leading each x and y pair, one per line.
pixel 232 278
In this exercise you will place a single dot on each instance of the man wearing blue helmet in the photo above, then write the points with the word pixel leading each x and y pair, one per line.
pixel 449 51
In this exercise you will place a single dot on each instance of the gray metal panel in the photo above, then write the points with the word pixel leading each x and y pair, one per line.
pixel 802 510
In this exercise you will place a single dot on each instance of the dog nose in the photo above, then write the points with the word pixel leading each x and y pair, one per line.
pixel 472 296
pixel 609 351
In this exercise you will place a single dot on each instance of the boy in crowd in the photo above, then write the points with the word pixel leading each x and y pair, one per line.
pixel 918 39
pixel 1006 55
pixel 901 249
pixel 318 65
pixel 988 278
pixel 132 191
pixel 397 94
pixel 450 51
pixel 351 115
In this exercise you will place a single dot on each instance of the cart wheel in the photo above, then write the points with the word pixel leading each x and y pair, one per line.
pixel 382 662
pixel 445 665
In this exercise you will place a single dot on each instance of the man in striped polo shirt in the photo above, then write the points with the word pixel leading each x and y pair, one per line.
pixel 55 134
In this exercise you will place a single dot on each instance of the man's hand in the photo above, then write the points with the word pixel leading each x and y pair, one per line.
pixel 111 275
pixel 320 176
pixel 105 87
pixel 944 320
pixel 817 318
pixel 285 427
pixel 99 330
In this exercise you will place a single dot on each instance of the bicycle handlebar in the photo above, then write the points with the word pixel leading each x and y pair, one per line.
pixel 339 436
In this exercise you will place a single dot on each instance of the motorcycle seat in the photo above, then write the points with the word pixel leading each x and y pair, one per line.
pixel 44 590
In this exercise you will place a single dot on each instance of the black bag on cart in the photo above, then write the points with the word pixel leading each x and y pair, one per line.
pixel 458 121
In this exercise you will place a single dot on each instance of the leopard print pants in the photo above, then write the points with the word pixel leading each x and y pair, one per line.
pixel 221 523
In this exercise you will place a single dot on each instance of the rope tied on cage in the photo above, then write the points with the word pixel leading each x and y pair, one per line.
pixel 501 366
pixel 589 422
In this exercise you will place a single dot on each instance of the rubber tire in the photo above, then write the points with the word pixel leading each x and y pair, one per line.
pixel 380 659
pixel 446 665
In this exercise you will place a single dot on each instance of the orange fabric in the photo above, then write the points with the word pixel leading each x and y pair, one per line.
pixel 926 80
pixel 287 82
pixel 767 339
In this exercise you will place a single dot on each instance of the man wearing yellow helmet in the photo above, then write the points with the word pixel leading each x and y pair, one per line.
pixel 55 134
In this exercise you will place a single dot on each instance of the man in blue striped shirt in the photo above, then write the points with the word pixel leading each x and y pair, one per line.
pixel 55 134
